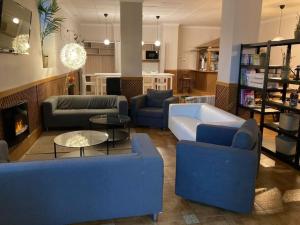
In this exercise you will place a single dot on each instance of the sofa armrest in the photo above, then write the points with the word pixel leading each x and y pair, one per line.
pixel 214 174
pixel 136 103
pixel 166 105
pixel 122 105
pixel 189 110
pixel 218 135
pixel 4 157
pixel 48 107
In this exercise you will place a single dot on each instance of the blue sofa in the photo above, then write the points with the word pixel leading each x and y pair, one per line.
pixel 70 111
pixel 220 168
pixel 67 191
pixel 152 109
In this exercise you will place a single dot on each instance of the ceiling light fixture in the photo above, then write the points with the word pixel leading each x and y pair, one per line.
pixel 73 56
pixel 279 37
pixel 106 40
pixel 16 20
pixel 157 42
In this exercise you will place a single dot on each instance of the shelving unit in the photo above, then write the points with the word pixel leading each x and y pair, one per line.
pixel 209 52
pixel 100 57
pixel 150 65
pixel 272 100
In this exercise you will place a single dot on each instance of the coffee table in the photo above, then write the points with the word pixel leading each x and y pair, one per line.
pixel 80 139
pixel 112 122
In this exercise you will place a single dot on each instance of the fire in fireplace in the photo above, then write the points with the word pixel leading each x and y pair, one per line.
pixel 20 126
pixel 15 122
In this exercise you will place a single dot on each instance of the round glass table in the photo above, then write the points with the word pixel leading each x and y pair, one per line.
pixel 80 139
pixel 112 122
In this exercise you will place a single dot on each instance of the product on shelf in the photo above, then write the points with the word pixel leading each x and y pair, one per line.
pixel 250 59
pixel 247 98
pixel 285 145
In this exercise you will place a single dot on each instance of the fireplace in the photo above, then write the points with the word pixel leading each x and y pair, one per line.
pixel 15 123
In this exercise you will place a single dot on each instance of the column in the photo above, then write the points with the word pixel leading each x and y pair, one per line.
pixel 240 24
pixel 170 50
pixel 131 12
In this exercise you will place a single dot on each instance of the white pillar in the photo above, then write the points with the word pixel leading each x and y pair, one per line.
pixel 131 37
pixel 170 46
pixel 240 24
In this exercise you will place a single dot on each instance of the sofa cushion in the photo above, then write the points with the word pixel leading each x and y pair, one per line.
pixel 246 136
pixel 80 112
pixel 86 102
pixel 153 112
pixel 213 115
pixel 184 128
pixel 155 98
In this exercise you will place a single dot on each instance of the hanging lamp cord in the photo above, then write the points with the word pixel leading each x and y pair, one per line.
pixel 281 9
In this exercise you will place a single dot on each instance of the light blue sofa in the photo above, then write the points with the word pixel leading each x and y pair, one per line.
pixel 220 168
pixel 67 191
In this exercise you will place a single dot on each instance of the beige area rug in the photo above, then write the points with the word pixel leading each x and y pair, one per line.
pixel 43 148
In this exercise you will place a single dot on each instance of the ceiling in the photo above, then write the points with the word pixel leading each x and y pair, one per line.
pixel 185 12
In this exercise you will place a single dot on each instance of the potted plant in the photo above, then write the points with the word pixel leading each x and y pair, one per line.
pixel 297 31
pixel 49 23
pixel 71 84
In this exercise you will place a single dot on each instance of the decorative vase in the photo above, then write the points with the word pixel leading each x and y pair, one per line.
pixel 263 58
pixel 294 99
pixel 71 90
pixel 45 61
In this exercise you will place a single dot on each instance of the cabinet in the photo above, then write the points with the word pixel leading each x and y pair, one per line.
pixel 208 56
pixel 100 58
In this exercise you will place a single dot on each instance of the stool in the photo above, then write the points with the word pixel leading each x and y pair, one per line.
pixel 89 81
pixel 186 83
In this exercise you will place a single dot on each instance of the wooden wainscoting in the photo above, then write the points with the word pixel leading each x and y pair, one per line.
pixel 131 86
pixel 226 96
pixel 34 94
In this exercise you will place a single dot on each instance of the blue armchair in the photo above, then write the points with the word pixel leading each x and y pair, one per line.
pixel 152 109
pixel 220 168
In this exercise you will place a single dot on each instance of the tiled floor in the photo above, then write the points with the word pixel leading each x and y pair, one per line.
pixel 277 195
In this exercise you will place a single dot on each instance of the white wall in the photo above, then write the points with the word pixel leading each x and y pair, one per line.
pixel 170 43
pixel 269 29
pixel 189 38
pixel 17 70
pixel 167 33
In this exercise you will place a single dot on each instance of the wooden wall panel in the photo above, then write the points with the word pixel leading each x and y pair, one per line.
pixel 100 64
pixel 226 96
pixel 131 86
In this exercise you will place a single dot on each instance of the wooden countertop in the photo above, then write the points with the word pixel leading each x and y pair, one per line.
pixel 206 71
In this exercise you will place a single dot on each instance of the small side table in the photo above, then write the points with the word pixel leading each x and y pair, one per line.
pixel 80 139
pixel 112 122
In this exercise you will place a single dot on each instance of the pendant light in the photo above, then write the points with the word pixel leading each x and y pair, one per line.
pixel 279 37
pixel 106 40
pixel 157 42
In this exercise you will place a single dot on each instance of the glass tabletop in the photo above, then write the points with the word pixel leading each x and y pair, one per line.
pixel 79 139
pixel 110 119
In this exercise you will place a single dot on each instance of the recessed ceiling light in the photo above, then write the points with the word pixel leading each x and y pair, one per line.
pixel 16 20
